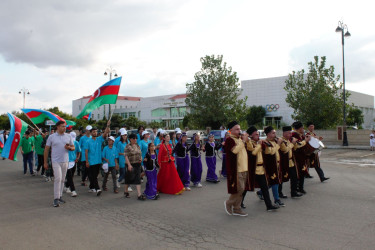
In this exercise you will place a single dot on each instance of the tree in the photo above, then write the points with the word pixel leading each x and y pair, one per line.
pixel 316 96
pixel 213 96
pixel 355 116
pixel 134 122
pixel 155 124
pixel 255 115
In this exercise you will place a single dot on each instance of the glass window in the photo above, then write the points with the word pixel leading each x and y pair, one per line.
pixel 132 114
pixel 159 112
pixel 98 116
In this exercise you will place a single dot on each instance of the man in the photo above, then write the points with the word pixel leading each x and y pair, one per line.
pixel 82 163
pixel 60 143
pixel 287 162
pixel 39 149
pixel 222 133
pixel 257 172
pixel 271 160
pixel 153 135
pixel 27 144
pixel 237 166
pixel 300 155
pixel 93 152
pixel 313 159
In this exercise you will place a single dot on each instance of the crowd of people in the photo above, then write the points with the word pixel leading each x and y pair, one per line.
pixel 169 164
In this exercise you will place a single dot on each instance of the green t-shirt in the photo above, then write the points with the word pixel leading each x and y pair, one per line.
pixel 38 145
pixel 27 144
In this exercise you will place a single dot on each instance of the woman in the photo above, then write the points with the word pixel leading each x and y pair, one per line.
pixel 121 154
pixel 182 161
pixel 196 163
pixel 210 148
pixel 133 157
pixel 144 143
pixel 173 140
pixel 139 134
pixel 168 180
pixel 151 165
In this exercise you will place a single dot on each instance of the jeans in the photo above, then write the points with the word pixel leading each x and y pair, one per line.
pixel 59 170
pixel 122 174
pixel 275 192
pixel 28 158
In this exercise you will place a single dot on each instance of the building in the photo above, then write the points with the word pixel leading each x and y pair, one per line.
pixel 168 109
pixel 270 93
pixel 171 109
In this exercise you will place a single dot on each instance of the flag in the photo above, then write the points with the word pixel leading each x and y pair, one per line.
pixel 38 116
pixel 17 129
pixel 106 94
pixel 87 117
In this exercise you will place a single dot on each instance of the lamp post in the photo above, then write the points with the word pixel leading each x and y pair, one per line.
pixel 342 28
pixel 110 71
pixel 24 91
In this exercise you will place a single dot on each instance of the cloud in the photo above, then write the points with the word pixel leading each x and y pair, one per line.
pixel 70 33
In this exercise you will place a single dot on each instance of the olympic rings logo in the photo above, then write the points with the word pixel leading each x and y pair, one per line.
pixel 272 107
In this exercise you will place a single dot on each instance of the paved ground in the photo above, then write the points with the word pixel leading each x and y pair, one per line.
pixel 338 214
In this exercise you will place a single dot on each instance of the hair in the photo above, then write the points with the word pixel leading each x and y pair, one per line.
pixel 59 123
pixel 165 135
pixel 141 127
pixel 149 145
pixel 171 134
pixel 123 140
pixel 132 136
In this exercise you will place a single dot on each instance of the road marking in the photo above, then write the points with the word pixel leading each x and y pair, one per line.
pixel 367 155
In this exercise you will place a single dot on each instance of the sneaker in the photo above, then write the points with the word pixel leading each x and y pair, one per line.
pixel 260 195
pixel 296 195
pixel 44 176
pixel 130 189
pixel 98 192
pixel 199 185
pixel 56 203
pixel 48 179
pixel 61 201
pixel 272 208
pixel 279 203
pixel 187 188
pixel 281 195
pixel 324 179
pixel 228 209
pixel 118 184
pixel 83 184
pixel 239 212
pixel 74 194
pixel 92 190
pixel 302 191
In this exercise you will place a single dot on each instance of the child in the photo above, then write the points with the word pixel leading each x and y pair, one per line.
pixel 196 163
pixel 210 148
pixel 110 157
pixel 151 165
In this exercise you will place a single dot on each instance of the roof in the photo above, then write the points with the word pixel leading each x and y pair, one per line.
pixel 180 96
pixel 128 98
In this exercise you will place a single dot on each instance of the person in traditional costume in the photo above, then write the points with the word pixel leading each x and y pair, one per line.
pixel 183 161
pixel 257 171
pixel 196 162
pixel 210 149
pixel 223 171
pixel 237 170
pixel 300 154
pixel 313 160
pixel 271 158
pixel 168 181
pixel 287 163
pixel 151 165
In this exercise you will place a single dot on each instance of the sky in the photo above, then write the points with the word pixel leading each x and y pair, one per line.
pixel 59 50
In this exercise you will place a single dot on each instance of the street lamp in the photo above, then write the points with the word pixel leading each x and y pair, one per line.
pixel 342 28
pixel 24 91
pixel 110 71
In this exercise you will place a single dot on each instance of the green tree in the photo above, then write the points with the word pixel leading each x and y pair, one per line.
pixel 255 115
pixel 155 124
pixel 354 117
pixel 134 122
pixel 316 96
pixel 213 96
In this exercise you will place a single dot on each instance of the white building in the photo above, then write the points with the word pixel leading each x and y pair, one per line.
pixel 171 109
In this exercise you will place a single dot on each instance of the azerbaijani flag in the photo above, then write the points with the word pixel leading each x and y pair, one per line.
pixel 106 94
pixel 17 129
pixel 38 116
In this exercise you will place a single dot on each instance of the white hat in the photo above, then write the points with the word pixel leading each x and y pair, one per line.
pixel 73 135
pixel 145 132
pixel 88 127
pixel 178 132
pixel 159 130
pixel 112 138
pixel 123 132
pixel 122 129
pixel 177 129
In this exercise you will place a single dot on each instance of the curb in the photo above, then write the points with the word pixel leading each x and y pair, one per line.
pixel 347 147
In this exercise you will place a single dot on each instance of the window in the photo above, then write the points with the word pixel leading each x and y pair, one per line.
pixel 132 114
pixel 139 114
pixel 98 117
pixel 159 113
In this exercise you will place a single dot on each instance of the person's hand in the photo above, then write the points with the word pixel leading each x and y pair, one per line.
pixel 21 151
pixel 67 146
pixel 223 143
pixel 145 159
pixel 87 164
pixel 140 161
pixel 294 140
pixel 76 160
pixel 108 123
pixel 308 138
pixel 320 138
pixel 45 165
pixel 116 167
pixel 130 167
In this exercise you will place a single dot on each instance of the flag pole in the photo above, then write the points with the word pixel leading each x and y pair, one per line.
pixel 110 115
pixel 31 121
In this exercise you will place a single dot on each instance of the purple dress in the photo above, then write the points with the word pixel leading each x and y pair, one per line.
pixel 211 162
pixel 183 163
pixel 151 174
pixel 196 163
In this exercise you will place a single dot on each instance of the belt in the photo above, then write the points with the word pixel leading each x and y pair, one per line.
pixel 260 164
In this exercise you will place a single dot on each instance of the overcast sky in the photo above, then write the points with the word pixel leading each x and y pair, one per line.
pixel 59 50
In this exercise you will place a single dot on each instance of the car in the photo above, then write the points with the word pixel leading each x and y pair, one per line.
pixel 217 135
pixel 190 134
pixel 262 135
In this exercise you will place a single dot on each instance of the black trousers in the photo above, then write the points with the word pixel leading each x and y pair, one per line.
pixel 293 180
pixel 40 164
pixel 93 176
pixel 320 173
pixel 301 181
pixel 69 178
pixel 85 171
pixel 261 179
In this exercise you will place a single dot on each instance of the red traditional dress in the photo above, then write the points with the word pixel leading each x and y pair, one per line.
pixel 168 180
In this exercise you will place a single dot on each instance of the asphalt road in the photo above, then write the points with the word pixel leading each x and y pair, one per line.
pixel 337 214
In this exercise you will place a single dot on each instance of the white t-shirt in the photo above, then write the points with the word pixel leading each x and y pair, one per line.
pixel 57 143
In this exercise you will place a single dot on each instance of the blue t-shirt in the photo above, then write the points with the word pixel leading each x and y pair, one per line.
pixel 116 141
pixel 121 149
pixel 82 145
pixel 94 148
pixel 157 142
pixel 110 154
pixel 144 147
pixel 139 139
pixel 73 154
